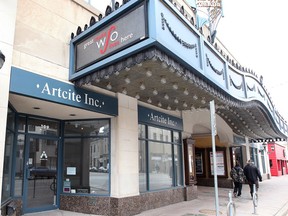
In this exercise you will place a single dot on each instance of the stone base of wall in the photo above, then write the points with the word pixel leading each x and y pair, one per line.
pixel 111 206
pixel 191 192
pixel 126 206
pixel 16 203
pixel 222 183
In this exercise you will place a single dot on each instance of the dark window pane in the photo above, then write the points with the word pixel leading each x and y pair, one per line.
pixel 7 168
pixel 86 158
pixel 19 164
pixel 21 124
pixel 11 119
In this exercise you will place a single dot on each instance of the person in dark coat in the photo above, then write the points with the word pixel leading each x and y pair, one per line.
pixel 238 177
pixel 252 174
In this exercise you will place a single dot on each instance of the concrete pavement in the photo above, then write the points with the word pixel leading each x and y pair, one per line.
pixel 273 201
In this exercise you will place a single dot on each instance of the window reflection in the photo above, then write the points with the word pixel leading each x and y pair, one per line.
pixel 163 166
pixel 43 126
pixel 159 134
pixel 7 168
pixel 88 154
pixel 160 170
pixel 142 167
pixel 19 164
pixel 87 128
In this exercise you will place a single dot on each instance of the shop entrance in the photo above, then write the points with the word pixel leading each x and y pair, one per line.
pixel 40 177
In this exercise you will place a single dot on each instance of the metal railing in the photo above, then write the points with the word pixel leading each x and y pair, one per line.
pixel 231 207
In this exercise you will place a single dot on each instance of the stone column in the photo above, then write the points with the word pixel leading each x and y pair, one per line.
pixel 7 30
pixel 247 149
pixel 124 149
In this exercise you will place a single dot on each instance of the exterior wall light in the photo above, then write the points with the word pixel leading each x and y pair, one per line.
pixel 2 59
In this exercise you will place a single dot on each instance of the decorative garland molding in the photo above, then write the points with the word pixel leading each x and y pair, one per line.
pixel 251 88
pixel 177 38
pixel 239 87
pixel 218 72
pixel 261 94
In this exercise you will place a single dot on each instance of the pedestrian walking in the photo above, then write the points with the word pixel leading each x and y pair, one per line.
pixel 238 177
pixel 253 175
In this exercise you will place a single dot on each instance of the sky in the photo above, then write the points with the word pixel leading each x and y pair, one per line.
pixel 254 31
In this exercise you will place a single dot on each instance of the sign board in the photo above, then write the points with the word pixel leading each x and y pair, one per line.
pixel 152 117
pixel 66 186
pixel 52 90
pixel 208 3
pixel 125 31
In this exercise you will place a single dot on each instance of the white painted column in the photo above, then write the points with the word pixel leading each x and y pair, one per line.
pixel 124 149
pixel 7 22
pixel 247 149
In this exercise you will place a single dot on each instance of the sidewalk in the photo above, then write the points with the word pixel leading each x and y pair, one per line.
pixel 273 201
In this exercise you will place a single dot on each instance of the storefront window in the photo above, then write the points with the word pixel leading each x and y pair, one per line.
pixel 7 167
pixel 159 134
pixel 160 169
pixel 237 156
pixel 21 124
pixel 163 149
pixel 254 155
pixel 43 126
pixel 142 166
pixel 263 162
pixel 177 165
pixel 19 164
pixel 87 156
pixel 11 119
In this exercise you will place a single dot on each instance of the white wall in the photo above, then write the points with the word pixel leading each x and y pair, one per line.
pixel 7 23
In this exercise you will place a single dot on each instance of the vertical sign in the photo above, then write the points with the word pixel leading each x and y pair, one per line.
pixel 214 132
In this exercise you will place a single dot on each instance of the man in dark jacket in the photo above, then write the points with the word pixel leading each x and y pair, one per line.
pixel 252 174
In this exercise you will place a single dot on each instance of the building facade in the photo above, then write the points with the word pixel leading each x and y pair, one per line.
pixel 111 114
pixel 277 159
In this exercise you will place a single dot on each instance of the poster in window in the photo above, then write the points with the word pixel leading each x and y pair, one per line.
pixel 220 166
pixel 199 163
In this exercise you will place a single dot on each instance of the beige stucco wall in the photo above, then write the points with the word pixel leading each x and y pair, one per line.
pixel 42 36
pixel 198 122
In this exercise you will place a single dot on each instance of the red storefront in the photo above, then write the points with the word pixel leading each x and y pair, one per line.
pixel 277 159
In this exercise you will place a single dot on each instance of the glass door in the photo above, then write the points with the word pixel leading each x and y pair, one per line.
pixel 40 184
